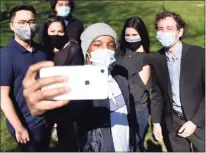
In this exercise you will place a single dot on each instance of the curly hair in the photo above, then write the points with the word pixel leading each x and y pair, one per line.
pixel 71 3
pixel 162 15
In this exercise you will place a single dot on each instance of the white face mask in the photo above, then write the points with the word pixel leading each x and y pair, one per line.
pixel 167 39
pixel 102 57
pixel 132 39
pixel 63 11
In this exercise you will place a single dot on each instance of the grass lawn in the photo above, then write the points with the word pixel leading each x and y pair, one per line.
pixel 114 13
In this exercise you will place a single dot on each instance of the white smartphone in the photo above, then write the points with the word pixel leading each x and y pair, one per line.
pixel 86 82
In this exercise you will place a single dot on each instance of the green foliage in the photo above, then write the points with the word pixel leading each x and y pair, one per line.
pixel 116 12
pixel 7 143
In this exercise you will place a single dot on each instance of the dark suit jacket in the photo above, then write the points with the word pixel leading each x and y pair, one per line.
pixel 192 87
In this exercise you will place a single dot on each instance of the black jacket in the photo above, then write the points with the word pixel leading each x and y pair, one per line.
pixel 70 55
pixel 192 87
pixel 93 118
pixel 74 29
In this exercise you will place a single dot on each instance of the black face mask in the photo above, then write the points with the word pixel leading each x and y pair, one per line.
pixel 58 41
pixel 134 45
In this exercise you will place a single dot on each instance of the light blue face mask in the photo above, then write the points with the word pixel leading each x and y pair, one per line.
pixel 132 39
pixel 167 39
pixel 102 57
pixel 63 11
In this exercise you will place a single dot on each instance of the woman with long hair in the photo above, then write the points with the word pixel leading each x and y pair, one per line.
pixel 61 49
pixel 64 52
pixel 134 45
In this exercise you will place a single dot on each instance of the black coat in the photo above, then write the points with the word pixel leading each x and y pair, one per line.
pixel 93 119
pixel 70 55
pixel 192 87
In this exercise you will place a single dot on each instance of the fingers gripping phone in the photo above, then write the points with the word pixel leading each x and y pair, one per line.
pixel 86 82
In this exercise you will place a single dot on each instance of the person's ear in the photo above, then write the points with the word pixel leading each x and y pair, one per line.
pixel 11 26
pixel 181 32
pixel 88 56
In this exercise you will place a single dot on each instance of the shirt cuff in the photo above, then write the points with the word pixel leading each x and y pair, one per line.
pixel 156 123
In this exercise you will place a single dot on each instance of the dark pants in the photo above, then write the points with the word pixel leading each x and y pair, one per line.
pixel 142 121
pixel 65 130
pixel 66 137
pixel 179 144
pixel 39 139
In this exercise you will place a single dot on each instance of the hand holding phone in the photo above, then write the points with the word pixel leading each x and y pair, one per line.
pixel 86 82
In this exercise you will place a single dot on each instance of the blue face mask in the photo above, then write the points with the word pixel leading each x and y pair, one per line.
pixel 132 39
pixel 167 39
pixel 63 11
pixel 102 57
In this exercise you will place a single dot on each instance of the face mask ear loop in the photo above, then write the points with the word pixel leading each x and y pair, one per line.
pixel 108 60
pixel 177 37
pixel 89 56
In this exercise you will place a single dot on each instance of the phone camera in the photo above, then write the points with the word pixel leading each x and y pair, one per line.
pixel 87 82
pixel 102 71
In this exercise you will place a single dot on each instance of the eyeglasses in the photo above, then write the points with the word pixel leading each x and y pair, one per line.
pixel 24 22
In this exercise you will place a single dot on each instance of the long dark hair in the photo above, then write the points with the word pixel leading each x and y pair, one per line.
pixel 46 41
pixel 139 26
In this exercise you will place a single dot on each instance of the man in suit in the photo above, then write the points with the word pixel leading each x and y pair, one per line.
pixel 178 88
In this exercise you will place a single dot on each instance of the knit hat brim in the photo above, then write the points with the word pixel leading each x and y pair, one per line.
pixel 92 32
